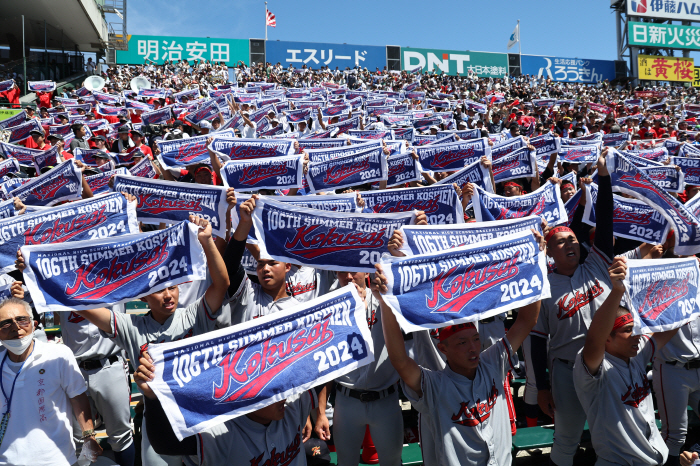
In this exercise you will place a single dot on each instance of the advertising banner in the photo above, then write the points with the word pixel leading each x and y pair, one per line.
pixel 161 48
pixel 451 62
pixel 657 68
pixel 679 10
pixel 573 70
pixel 315 55
pixel 673 36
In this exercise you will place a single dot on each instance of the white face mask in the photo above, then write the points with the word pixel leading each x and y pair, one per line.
pixel 18 346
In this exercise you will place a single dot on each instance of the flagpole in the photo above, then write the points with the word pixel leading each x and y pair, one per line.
pixel 519 50
pixel 265 20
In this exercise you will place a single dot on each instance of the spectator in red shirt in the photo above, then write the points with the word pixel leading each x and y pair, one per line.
pixel 12 95
pixel 38 138
pixel 45 98
pixel 30 112
pixel 137 137
pixel 646 129
pixel 100 142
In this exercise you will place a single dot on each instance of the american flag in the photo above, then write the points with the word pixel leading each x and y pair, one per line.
pixel 270 20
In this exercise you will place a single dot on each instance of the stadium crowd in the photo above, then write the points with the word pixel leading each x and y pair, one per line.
pixel 579 353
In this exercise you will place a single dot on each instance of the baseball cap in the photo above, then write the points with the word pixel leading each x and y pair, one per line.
pixel 37 131
pixel 317 452
pixel 205 124
pixel 435 128
pixel 99 138
pixel 102 155
pixel 135 131
pixel 124 129
pixel 55 136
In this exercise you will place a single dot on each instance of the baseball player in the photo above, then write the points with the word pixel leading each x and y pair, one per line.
pixel 365 396
pixel 676 383
pixel 491 329
pixel 427 355
pixel 465 403
pixel 306 283
pixel 271 435
pixel 368 395
pixel 611 381
pixel 253 300
pixel 165 322
pixel 101 363
pixel 578 290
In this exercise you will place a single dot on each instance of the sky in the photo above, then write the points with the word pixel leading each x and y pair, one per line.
pixel 548 27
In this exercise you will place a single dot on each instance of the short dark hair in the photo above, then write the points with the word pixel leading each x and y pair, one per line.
pixel 76 127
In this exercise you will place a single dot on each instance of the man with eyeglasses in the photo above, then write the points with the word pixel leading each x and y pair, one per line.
pixel 41 384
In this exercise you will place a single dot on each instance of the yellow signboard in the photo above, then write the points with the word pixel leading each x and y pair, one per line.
pixel 657 68
pixel 696 77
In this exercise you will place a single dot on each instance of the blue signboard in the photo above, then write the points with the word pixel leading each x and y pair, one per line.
pixel 575 70
pixel 315 55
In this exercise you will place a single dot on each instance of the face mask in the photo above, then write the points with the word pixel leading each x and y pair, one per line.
pixel 18 346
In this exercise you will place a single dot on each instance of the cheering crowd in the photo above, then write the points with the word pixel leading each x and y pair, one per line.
pixel 559 192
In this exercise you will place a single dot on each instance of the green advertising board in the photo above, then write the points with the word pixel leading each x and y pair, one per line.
pixel 6 113
pixel 162 48
pixel 667 36
pixel 453 62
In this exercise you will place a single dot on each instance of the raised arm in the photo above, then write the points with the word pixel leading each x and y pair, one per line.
pixel 407 368
pixel 217 269
pixel 320 120
pixel 527 315
pixel 215 162
pixel 604 318
pixel 604 210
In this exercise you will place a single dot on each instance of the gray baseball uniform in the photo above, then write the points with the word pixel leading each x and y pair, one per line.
pixel 676 381
pixel 620 391
pixel 134 332
pixel 251 302
pixel 424 351
pixel 306 283
pixel 243 441
pixel 383 415
pixel 530 395
pixel 469 418
pixel 108 385
pixel 192 291
pixel 564 318
pixel 492 330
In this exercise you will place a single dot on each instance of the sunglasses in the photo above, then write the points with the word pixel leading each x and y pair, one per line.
pixel 21 321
